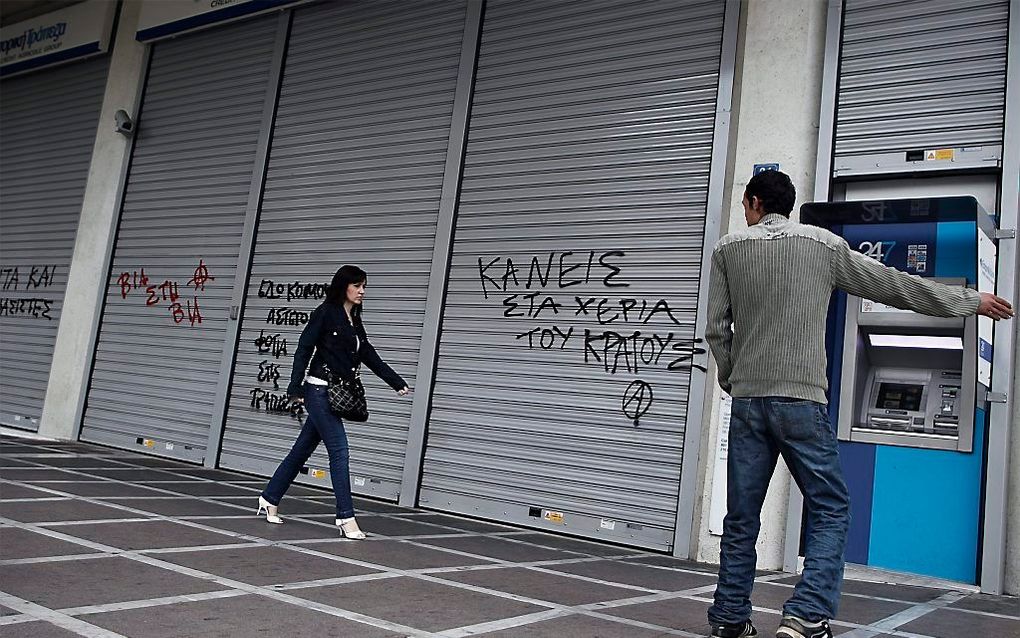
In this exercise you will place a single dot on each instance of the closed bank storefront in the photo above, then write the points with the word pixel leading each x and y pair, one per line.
pixel 355 175
pixel 563 396
pixel 166 323
pixel 531 188
pixel 53 75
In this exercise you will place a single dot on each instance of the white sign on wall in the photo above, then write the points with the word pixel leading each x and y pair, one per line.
pixel 717 511
pixel 74 32
pixel 164 18
pixel 986 283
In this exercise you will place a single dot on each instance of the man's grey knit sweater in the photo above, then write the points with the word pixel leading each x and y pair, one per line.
pixel 769 298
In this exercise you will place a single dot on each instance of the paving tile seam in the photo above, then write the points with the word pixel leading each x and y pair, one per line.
pixel 862 596
pixel 63 621
pixel 328 582
pixel 504 623
pixel 422 576
pixel 199 548
pixel 650 626
pixel 153 602
pixel 136 519
pixel 591 579
pixel 227 582
pixel 989 614
pixel 210 499
pixel 206 576
pixel 508 563
pixel 895 621
pixel 16 619
pixel 52 559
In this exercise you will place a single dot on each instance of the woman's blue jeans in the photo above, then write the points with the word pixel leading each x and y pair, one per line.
pixel 320 425
pixel 761 429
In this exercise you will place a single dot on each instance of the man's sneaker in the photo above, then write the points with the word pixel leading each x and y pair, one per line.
pixel 743 630
pixel 793 627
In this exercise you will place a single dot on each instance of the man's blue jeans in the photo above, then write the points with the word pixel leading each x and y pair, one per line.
pixel 320 425
pixel 761 429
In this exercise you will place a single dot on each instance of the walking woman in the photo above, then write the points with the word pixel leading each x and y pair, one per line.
pixel 335 342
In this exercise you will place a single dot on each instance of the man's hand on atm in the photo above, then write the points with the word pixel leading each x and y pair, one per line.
pixel 994 307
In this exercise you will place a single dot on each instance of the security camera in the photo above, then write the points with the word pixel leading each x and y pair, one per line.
pixel 123 123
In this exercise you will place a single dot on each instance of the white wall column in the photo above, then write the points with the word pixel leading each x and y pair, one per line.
pixel 780 53
pixel 86 280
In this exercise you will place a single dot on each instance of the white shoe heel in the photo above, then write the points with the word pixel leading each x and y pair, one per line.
pixel 349 529
pixel 271 511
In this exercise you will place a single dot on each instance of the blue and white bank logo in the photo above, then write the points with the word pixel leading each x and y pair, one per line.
pixel 32 38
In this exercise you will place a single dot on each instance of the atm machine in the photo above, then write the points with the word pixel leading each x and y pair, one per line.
pixel 907 391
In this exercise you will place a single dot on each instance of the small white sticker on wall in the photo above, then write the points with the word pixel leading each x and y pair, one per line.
pixel 359 481
pixel 607 524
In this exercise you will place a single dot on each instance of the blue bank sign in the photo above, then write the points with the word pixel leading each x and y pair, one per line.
pixel 165 18
pixel 74 32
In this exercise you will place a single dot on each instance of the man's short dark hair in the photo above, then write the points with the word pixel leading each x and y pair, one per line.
pixel 774 190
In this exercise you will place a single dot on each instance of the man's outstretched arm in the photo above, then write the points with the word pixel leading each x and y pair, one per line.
pixel 863 276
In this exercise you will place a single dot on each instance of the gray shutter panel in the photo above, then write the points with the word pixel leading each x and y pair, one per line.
pixel 591 132
pixel 355 175
pixel 48 123
pixel 154 379
pixel 921 75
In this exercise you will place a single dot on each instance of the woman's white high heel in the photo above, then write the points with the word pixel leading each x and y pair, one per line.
pixel 271 511
pixel 349 528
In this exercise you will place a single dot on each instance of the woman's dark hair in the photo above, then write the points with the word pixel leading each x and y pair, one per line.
pixel 337 290
pixel 774 190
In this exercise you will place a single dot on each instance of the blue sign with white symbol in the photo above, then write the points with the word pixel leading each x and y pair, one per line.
pixel 761 168
pixel 985 350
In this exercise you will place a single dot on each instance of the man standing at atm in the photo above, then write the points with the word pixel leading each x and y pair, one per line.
pixel 767 307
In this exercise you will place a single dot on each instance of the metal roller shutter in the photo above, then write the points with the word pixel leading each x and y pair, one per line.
pixel 921 75
pixel 586 168
pixel 164 324
pixel 48 123
pixel 355 175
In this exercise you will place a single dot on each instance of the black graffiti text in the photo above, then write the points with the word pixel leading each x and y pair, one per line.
pixel 635 351
pixel 268 289
pixel 547 338
pixel 270 402
pixel 271 344
pixel 284 316
pixel 269 372
pixel 606 311
pixel 519 305
pixel 41 277
pixel 38 277
pixel 35 307
pixel 559 269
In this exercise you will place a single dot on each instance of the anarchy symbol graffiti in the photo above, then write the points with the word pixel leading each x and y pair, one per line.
pixel 637 399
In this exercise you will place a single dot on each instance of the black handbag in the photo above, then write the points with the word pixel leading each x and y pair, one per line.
pixel 347 396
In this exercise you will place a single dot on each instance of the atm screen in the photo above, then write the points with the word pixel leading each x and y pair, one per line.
pixel 899 396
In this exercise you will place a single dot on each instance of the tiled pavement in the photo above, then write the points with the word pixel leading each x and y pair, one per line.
pixel 101 542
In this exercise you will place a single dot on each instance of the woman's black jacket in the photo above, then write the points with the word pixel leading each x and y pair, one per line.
pixel 334 341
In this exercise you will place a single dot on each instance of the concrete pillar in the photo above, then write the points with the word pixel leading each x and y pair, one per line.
pixel 780 53
pixel 86 280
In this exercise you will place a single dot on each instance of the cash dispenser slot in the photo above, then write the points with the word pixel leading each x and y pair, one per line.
pixel 910 379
